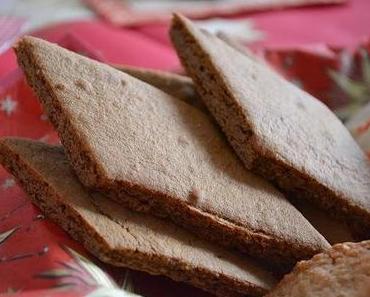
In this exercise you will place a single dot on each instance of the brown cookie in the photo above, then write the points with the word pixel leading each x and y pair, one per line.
pixel 277 130
pixel 155 153
pixel 121 237
pixel 343 270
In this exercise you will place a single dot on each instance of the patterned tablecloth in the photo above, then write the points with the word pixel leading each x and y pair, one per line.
pixel 322 49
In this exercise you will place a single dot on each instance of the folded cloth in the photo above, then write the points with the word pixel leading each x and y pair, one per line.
pixel 133 13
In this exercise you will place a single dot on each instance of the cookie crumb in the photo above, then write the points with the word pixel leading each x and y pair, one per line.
pixel 80 83
pixel 60 87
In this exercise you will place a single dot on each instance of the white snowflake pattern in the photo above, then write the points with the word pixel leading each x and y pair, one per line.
pixel 8 105
pixel 8 183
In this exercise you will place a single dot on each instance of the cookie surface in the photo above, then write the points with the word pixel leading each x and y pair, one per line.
pixel 344 270
pixel 277 130
pixel 121 237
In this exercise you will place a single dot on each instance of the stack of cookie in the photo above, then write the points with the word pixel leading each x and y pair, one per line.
pixel 224 180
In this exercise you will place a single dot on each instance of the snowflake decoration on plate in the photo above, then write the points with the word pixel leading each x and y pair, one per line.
pixel 8 105
pixel 8 183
